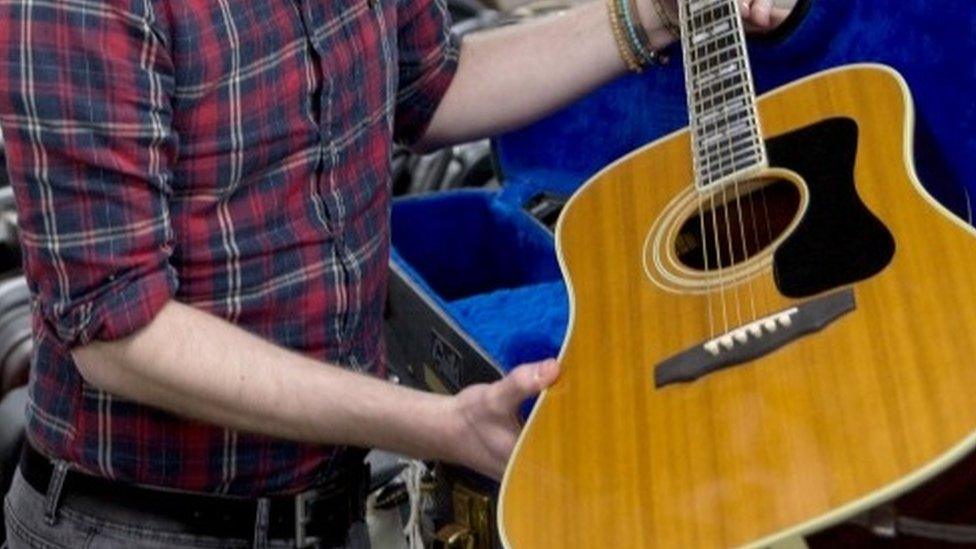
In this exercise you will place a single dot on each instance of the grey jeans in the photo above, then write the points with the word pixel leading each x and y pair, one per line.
pixel 49 521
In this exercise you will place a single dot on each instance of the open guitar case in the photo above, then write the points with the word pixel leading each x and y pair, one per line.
pixel 475 285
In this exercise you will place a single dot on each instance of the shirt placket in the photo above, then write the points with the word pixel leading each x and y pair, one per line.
pixel 325 190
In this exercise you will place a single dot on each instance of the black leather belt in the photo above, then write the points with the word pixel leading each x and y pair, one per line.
pixel 320 517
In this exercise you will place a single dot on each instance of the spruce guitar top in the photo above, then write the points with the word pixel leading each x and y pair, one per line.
pixel 772 321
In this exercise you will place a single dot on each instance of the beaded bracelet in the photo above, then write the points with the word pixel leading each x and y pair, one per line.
pixel 617 24
pixel 639 42
pixel 669 24
pixel 631 37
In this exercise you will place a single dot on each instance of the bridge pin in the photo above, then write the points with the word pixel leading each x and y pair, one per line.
pixel 712 348
pixel 756 330
pixel 786 320
pixel 741 336
pixel 727 342
pixel 770 325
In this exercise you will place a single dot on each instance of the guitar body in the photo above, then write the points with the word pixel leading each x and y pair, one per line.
pixel 834 422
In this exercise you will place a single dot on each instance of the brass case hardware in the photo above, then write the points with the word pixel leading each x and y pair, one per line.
pixel 454 536
pixel 474 511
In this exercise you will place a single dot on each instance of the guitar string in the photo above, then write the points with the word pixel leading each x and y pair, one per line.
pixel 722 95
pixel 729 151
pixel 726 203
pixel 742 88
pixel 767 293
pixel 741 70
pixel 763 295
pixel 717 98
pixel 745 249
pixel 705 167
pixel 728 239
pixel 704 242
pixel 769 228
pixel 683 17
pixel 723 263
pixel 718 254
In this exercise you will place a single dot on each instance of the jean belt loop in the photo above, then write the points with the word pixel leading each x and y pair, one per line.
pixel 54 488
pixel 303 503
pixel 262 517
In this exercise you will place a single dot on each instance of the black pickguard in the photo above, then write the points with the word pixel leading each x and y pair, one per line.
pixel 838 241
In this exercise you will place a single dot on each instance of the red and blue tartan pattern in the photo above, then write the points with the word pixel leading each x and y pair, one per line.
pixel 233 155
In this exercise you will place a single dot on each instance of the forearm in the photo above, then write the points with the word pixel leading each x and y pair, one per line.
pixel 512 76
pixel 196 365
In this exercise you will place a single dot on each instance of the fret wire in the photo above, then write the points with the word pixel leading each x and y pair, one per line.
pixel 719 90
pixel 739 151
pixel 742 162
pixel 742 140
pixel 712 32
pixel 734 159
pixel 687 12
pixel 707 3
pixel 734 147
pixel 738 128
pixel 732 68
pixel 716 12
pixel 707 143
pixel 740 103
pixel 713 45
pixel 735 151
pixel 726 95
pixel 725 78
pixel 722 98
pixel 714 172
pixel 712 150
pixel 739 165
pixel 724 123
pixel 725 135
pixel 721 53
pixel 721 87
pixel 731 47
pixel 717 59
pixel 744 128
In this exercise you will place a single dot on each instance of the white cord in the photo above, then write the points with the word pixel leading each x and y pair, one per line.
pixel 414 477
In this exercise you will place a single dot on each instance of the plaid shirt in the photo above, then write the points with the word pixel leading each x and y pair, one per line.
pixel 233 155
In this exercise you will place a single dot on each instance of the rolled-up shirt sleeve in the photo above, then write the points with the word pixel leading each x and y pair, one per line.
pixel 428 57
pixel 86 117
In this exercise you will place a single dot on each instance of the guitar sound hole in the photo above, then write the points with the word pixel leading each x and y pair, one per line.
pixel 767 209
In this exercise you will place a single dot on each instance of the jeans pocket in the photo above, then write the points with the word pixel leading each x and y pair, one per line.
pixel 27 527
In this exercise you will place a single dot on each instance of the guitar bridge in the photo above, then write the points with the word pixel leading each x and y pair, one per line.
pixel 754 340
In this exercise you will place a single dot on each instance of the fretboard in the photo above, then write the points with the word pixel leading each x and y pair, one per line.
pixel 726 138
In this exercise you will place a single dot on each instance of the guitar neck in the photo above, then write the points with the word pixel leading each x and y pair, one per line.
pixel 726 137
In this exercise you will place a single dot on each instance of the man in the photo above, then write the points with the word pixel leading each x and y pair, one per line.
pixel 202 192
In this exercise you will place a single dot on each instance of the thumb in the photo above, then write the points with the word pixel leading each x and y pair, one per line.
pixel 759 12
pixel 745 8
pixel 527 381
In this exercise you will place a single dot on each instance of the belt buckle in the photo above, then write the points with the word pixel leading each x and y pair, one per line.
pixel 302 518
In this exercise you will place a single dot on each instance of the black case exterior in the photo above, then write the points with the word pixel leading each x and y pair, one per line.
pixel 426 349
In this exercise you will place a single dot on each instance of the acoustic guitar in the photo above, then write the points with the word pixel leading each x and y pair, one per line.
pixel 773 323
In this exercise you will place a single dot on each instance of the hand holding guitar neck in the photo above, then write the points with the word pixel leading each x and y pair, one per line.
pixel 758 15
pixel 642 28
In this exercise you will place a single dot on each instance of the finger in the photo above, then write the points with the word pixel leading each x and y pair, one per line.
pixel 759 12
pixel 778 15
pixel 744 8
pixel 526 381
